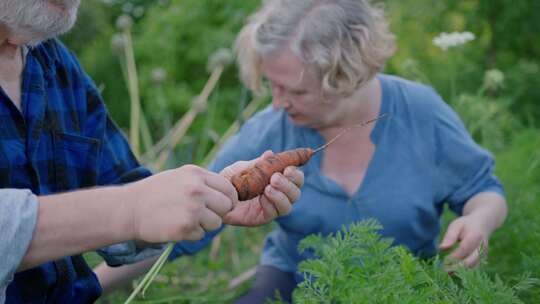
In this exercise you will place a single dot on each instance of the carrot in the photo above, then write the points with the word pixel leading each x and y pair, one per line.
pixel 251 183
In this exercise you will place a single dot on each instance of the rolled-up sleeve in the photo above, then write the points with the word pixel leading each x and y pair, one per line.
pixel 18 217
pixel 128 252
pixel 118 165
pixel 464 168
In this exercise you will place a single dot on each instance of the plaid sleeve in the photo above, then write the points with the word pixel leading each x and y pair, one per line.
pixel 117 164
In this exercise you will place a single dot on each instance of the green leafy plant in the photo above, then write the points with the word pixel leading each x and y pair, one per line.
pixel 356 265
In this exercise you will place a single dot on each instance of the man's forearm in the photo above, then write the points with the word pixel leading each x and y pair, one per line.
pixel 79 221
pixel 490 206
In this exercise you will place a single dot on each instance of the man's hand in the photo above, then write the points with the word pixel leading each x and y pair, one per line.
pixel 284 189
pixel 180 204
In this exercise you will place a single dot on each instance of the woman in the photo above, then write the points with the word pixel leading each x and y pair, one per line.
pixel 322 60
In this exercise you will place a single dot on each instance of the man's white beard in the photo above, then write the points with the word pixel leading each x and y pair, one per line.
pixel 36 20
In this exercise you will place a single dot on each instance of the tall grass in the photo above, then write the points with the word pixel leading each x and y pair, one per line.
pixel 515 248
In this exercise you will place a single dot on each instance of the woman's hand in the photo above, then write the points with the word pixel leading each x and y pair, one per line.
pixel 483 213
pixel 473 237
pixel 277 200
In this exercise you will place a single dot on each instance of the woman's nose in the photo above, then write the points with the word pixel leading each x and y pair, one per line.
pixel 280 102
pixel 279 98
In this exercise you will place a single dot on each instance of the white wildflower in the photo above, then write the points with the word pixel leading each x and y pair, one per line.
pixel 138 11
pixel 159 75
pixel 124 22
pixel 493 79
pixel 118 42
pixel 222 56
pixel 448 40
pixel 127 7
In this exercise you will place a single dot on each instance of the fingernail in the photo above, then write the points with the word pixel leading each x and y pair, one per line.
pixel 282 180
pixel 276 179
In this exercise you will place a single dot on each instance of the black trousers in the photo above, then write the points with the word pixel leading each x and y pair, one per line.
pixel 268 281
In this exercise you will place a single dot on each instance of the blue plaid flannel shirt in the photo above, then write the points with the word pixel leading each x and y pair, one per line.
pixel 62 139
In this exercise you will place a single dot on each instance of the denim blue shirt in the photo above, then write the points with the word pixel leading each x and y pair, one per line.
pixel 423 158
pixel 62 139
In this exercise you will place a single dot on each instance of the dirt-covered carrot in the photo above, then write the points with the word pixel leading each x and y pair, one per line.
pixel 250 183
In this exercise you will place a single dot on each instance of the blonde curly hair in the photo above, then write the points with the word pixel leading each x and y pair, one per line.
pixel 346 41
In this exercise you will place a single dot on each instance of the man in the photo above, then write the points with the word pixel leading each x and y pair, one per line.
pixel 56 136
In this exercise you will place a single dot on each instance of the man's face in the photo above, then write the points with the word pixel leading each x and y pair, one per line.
pixel 36 20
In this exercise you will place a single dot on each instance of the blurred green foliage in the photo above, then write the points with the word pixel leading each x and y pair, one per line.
pixel 178 36
pixel 515 249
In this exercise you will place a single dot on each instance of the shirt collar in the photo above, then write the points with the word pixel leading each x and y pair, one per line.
pixel 46 53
